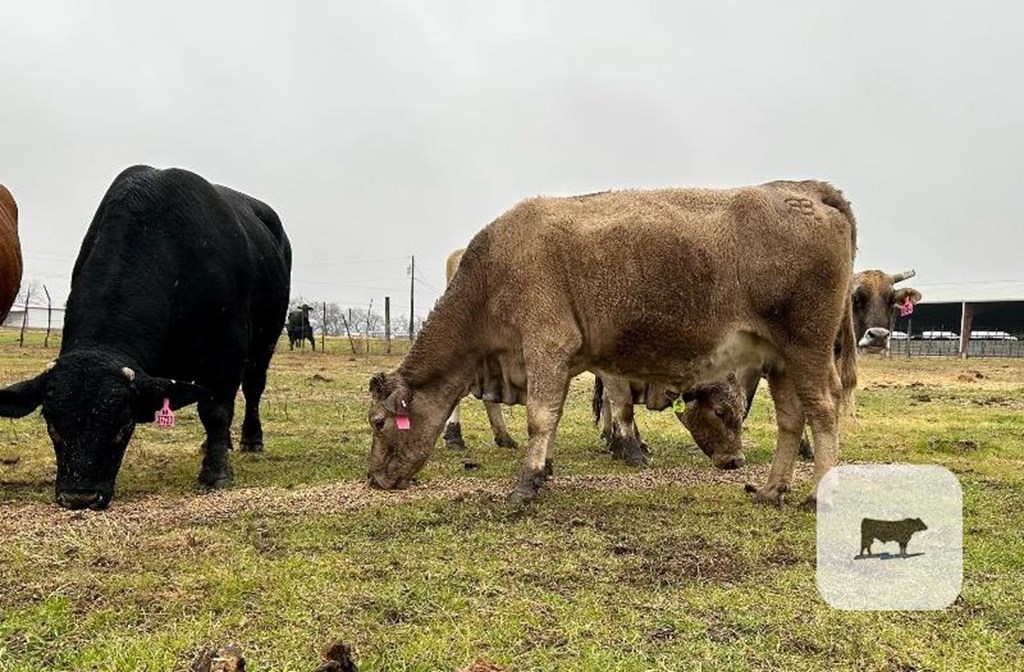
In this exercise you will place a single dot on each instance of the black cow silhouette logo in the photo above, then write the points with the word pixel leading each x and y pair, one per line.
pixel 884 531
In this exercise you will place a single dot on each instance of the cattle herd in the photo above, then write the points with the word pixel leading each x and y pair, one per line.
pixel 674 298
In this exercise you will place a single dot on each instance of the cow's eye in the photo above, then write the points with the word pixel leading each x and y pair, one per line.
pixel 721 412
pixel 378 424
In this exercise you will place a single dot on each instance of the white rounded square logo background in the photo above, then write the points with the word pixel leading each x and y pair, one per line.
pixel 931 574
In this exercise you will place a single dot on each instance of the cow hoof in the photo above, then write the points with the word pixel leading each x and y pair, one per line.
pixel 250 446
pixel 506 442
pixel 549 468
pixel 638 460
pixel 814 504
pixel 521 497
pixel 215 481
pixel 530 483
pixel 630 451
pixel 766 495
pixel 453 436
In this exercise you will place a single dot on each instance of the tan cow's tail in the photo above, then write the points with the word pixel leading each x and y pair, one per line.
pixel 847 360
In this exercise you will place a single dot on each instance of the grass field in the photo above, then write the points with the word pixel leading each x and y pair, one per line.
pixel 671 568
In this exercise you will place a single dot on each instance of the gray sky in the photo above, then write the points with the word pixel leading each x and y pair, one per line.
pixel 383 129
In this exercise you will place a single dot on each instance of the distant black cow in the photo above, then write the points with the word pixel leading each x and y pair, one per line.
pixel 176 277
pixel 899 531
pixel 299 328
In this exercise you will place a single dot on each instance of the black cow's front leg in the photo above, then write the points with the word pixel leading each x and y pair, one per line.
pixel 216 418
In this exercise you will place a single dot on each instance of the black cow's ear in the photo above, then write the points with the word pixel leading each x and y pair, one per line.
pixel 152 391
pixel 22 398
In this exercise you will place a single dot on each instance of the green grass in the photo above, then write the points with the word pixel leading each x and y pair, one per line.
pixel 660 576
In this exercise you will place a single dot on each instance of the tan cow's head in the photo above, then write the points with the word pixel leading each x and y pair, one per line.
pixel 714 417
pixel 405 426
pixel 875 303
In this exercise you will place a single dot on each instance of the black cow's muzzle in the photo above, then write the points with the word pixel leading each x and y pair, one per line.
pixel 89 499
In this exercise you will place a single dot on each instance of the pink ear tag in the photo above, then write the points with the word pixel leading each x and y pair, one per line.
pixel 907 308
pixel 165 416
pixel 402 421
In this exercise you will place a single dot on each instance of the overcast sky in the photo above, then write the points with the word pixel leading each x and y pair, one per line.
pixel 378 130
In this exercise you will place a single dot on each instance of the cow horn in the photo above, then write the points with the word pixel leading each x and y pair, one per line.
pixel 900 277
pixel 50 365
pixel 129 374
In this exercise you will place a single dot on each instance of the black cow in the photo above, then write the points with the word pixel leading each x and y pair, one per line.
pixel 177 280
pixel 884 531
pixel 299 328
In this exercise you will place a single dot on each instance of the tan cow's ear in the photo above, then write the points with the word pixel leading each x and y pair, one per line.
pixel 901 295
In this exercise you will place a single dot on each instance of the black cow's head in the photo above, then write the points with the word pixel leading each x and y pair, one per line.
pixel 91 404
pixel 875 300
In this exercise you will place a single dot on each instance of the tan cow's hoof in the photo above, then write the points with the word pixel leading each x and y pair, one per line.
pixel 767 495
pixel 815 504
pixel 506 442
pixel 530 483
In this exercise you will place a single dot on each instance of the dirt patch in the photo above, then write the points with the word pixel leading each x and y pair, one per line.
pixel 783 556
pixel 670 562
pixel 222 659
pixel 999 402
pixel 483 665
pixel 320 378
pixel 953 446
pixel 39 522
pixel 923 398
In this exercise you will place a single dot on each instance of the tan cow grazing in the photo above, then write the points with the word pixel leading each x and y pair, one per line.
pixel 10 252
pixel 675 287
pixel 713 414
pixel 875 302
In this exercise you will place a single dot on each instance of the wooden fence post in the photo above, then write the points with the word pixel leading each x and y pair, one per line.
pixel 351 343
pixel 49 317
pixel 387 323
pixel 24 318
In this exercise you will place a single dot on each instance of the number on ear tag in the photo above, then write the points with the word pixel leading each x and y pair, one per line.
pixel 907 307
pixel 402 421
pixel 165 416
